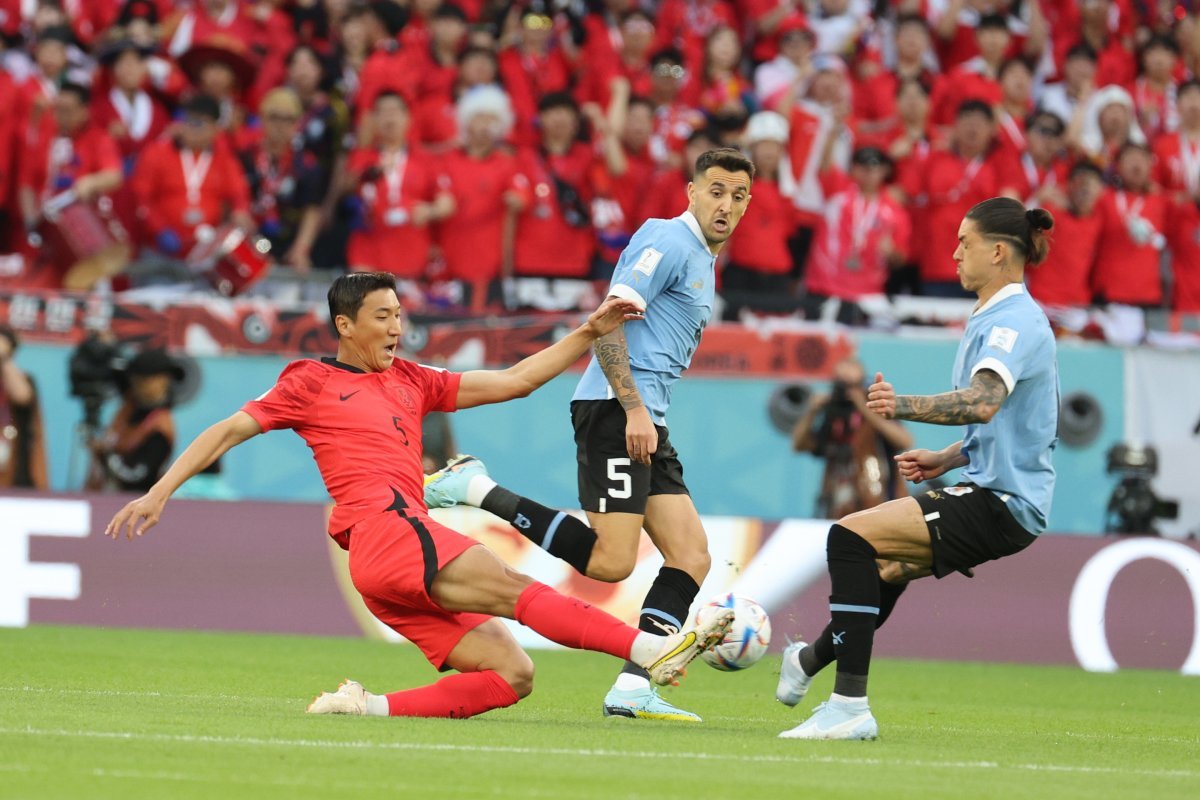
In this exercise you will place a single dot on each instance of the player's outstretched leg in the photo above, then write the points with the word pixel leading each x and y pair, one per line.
pixel 465 481
pixel 455 696
pixel 854 608
pixel 802 662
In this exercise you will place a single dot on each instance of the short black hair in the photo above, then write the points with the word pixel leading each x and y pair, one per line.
pixel 81 92
pixel 727 158
pixel 347 292
pixel 1015 61
pixel 667 55
pixel 1042 114
pixel 1159 42
pixel 1082 50
pixel 1083 165
pixel 997 21
pixel 202 105
pixel 974 107
pixel 557 100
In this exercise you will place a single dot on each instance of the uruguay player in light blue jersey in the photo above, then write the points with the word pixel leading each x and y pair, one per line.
pixel 1006 394
pixel 629 475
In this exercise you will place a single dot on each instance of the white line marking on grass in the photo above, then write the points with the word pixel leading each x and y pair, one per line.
pixel 115 693
pixel 254 741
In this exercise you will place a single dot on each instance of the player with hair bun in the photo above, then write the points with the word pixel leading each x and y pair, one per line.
pixel 1006 394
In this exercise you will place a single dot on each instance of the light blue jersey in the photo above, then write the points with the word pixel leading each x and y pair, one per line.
pixel 668 270
pixel 1011 454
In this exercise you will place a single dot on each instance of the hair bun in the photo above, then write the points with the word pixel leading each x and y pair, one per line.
pixel 1039 219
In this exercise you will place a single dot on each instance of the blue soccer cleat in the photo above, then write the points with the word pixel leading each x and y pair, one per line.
pixel 643 704
pixel 837 719
pixel 448 486
pixel 793 681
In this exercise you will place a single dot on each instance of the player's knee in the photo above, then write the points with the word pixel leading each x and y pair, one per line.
pixel 609 567
pixel 518 673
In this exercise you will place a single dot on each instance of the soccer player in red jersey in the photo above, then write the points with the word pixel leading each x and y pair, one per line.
pixel 361 414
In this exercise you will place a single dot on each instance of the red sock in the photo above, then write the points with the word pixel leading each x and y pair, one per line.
pixel 457 696
pixel 572 622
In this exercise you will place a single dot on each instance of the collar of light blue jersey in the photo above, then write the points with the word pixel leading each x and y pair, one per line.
pixel 1011 290
pixel 693 224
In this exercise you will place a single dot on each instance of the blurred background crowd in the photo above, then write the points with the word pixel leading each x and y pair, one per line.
pixel 463 144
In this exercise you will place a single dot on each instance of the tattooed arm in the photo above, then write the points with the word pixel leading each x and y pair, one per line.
pixel 612 354
pixel 979 402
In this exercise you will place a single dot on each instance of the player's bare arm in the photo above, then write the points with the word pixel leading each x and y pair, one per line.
pixel 641 437
pixel 977 403
pixel 480 387
pixel 143 514
pixel 924 465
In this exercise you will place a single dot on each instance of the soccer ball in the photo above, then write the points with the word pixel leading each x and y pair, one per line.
pixel 748 637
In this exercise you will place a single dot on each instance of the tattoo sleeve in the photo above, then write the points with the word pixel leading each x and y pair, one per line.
pixel 979 402
pixel 612 354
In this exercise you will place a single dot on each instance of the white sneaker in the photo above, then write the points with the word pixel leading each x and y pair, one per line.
pixel 793 680
pixel 680 648
pixel 836 719
pixel 350 698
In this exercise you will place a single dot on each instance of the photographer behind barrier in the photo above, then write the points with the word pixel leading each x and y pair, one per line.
pixel 132 452
pixel 857 445
pixel 22 449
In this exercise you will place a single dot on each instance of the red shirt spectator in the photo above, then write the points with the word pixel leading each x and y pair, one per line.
pixel 400 193
pixel 1184 240
pixel 1036 171
pixel 863 234
pixel 532 69
pixel 1133 223
pixel 630 61
pixel 685 24
pixel 953 181
pixel 770 220
pixel 1177 154
pixel 132 116
pixel 1065 277
pixel 554 231
pixel 190 180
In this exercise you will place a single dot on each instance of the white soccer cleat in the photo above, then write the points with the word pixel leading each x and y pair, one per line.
pixel 837 719
pixel 350 698
pixel 680 648
pixel 448 486
pixel 793 680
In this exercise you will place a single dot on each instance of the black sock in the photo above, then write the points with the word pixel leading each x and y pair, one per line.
pixel 854 607
pixel 556 532
pixel 819 655
pixel 666 605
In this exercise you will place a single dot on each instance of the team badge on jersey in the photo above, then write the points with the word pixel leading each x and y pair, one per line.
pixel 958 491
pixel 1003 338
pixel 647 261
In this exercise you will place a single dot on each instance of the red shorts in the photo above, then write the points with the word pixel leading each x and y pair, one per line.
pixel 394 558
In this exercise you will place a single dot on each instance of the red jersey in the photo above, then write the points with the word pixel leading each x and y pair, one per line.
pixel 180 189
pixel 1019 173
pixel 966 82
pixel 951 185
pixel 1177 163
pixel 132 124
pixel 554 235
pixel 54 166
pixel 364 429
pixel 666 196
pixel 1184 239
pixel 471 239
pixel 848 258
pixel 383 71
pixel 1127 268
pixel 390 189
pixel 762 240
pixel 529 78
pixel 1065 277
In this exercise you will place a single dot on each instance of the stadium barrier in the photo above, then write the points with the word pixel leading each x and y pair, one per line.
pixel 268 567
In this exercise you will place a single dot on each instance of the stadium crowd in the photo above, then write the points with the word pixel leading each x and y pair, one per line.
pixel 463 143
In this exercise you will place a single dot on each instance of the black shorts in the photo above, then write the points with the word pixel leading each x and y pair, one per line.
pixel 609 480
pixel 969 525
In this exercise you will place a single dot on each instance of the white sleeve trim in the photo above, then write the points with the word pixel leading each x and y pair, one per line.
pixel 627 293
pixel 996 366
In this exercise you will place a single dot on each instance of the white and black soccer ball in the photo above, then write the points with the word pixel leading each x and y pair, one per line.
pixel 748 637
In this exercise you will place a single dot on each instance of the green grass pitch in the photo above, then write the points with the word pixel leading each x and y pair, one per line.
pixel 90 713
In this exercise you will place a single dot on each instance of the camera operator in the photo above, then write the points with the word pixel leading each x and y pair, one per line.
pixel 132 452
pixel 22 450
pixel 857 445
